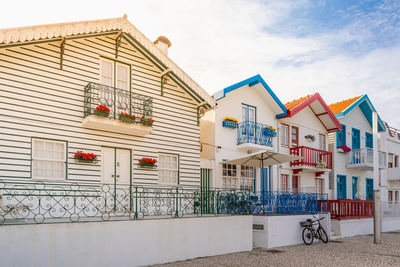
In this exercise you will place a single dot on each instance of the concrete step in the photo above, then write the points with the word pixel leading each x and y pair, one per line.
pixel 334 236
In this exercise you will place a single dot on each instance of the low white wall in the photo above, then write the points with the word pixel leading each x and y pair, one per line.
pixel 123 243
pixel 348 228
pixel 283 230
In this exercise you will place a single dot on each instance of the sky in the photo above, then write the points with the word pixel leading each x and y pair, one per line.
pixel 339 48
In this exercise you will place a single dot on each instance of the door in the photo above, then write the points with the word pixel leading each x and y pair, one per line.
pixel 369 189
pixel 205 193
pixel 295 136
pixel 116 166
pixel 264 180
pixel 341 187
pixel 295 183
pixel 355 143
pixel 355 187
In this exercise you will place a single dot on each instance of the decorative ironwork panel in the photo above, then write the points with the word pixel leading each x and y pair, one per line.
pixel 255 133
pixel 117 100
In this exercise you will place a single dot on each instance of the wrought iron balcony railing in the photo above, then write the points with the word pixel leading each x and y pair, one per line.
pixel 311 157
pixel 117 100
pixel 255 133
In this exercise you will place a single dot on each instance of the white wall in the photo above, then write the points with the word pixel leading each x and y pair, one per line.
pixel 283 230
pixel 123 243
pixel 354 119
pixel 349 228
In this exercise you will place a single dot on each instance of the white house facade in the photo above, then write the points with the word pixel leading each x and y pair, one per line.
pixel 244 122
pixel 353 148
pixel 304 132
pixel 86 101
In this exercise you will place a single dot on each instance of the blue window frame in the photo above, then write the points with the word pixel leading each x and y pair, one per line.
pixel 249 113
pixel 355 187
pixel 341 187
pixel 355 139
pixel 341 137
pixel 368 140
pixel 369 188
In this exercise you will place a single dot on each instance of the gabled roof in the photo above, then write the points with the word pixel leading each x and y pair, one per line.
pixel 71 30
pixel 254 81
pixel 343 107
pixel 318 107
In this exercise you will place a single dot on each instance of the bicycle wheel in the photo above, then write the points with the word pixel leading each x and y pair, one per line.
pixel 322 235
pixel 308 236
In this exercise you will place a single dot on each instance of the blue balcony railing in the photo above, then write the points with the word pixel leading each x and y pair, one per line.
pixel 255 133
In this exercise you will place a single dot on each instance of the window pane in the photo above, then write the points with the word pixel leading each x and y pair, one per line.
pixel 168 169
pixel 49 159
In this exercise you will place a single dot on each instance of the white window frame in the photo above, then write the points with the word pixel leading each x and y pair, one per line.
pixel 247 177
pixel 285 182
pixel 285 142
pixel 319 185
pixel 112 71
pixel 322 142
pixel 36 158
pixel 161 169
pixel 229 176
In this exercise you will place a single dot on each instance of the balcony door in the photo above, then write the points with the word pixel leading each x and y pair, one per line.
pixel 355 143
pixel 295 136
pixel 369 189
pixel 249 116
pixel 341 187
pixel 114 74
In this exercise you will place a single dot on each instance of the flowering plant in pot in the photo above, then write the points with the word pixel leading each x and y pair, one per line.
pixel 310 138
pixel 147 162
pixel 86 157
pixel 102 111
pixel 127 117
pixel 146 121
pixel 321 165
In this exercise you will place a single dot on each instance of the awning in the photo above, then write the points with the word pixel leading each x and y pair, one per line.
pixel 262 159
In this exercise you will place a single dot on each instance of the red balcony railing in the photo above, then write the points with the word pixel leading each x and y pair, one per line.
pixel 342 209
pixel 310 157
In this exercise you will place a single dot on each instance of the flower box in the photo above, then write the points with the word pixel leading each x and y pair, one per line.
pixel 146 122
pixel 102 111
pixel 229 124
pixel 321 165
pixel 125 117
pixel 147 162
pixel 344 149
pixel 269 131
pixel 85 157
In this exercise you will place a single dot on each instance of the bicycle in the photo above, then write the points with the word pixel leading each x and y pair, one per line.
pixel 309 233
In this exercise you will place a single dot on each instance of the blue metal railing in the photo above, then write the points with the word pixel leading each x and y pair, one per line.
pixel 255 133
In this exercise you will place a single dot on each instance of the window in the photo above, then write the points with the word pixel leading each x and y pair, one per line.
pixel 247 177
pixel 121 73
pixel 48 159
pixel 396 196
pixel 390 160
pixel 284 182
pixel 229 177
pixel 368 140
pixel 248 113
pixel 341 137
pixel 322 142
pixel 390 196
pixel 319 186
pixel 295 136
pixel 285 135
pixel 168 169
pixel 396 161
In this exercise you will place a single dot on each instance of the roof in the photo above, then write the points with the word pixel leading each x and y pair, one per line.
pixel 341 109
pixel 21 35
pixel 318 107
pixel 257 82
pixel 342 105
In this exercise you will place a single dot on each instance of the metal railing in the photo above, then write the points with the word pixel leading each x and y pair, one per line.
pixel 117 100
pixel 364 157
pixel 311 157
pixel 40 202
pixel 351 209
pixel 255 133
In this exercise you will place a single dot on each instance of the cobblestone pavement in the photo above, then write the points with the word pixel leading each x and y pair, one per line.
pixel 353 251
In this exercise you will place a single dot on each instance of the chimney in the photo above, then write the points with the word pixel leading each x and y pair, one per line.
pixel 163 43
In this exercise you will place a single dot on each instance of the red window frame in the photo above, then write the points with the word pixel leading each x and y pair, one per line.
pixel 390 196
pixel 287 136
pixel 295 142
pixel 321 184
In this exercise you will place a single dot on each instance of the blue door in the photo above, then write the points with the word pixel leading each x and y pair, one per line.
pixel 370 189
pixel 341 187
pixel 264 180
pixel 354 187
pixel 355 143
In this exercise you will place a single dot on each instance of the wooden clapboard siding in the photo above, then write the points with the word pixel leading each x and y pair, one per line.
pixel 40 100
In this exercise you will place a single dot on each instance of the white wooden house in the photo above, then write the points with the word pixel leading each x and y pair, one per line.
pixel 353 148
pixel 52 79
pixel 303 132
pixel 243 122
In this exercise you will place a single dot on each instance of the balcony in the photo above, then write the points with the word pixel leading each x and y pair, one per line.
pixel 117 100
pixel 311 158
pixel 363 159
pixel 254 136
pixel 393 174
